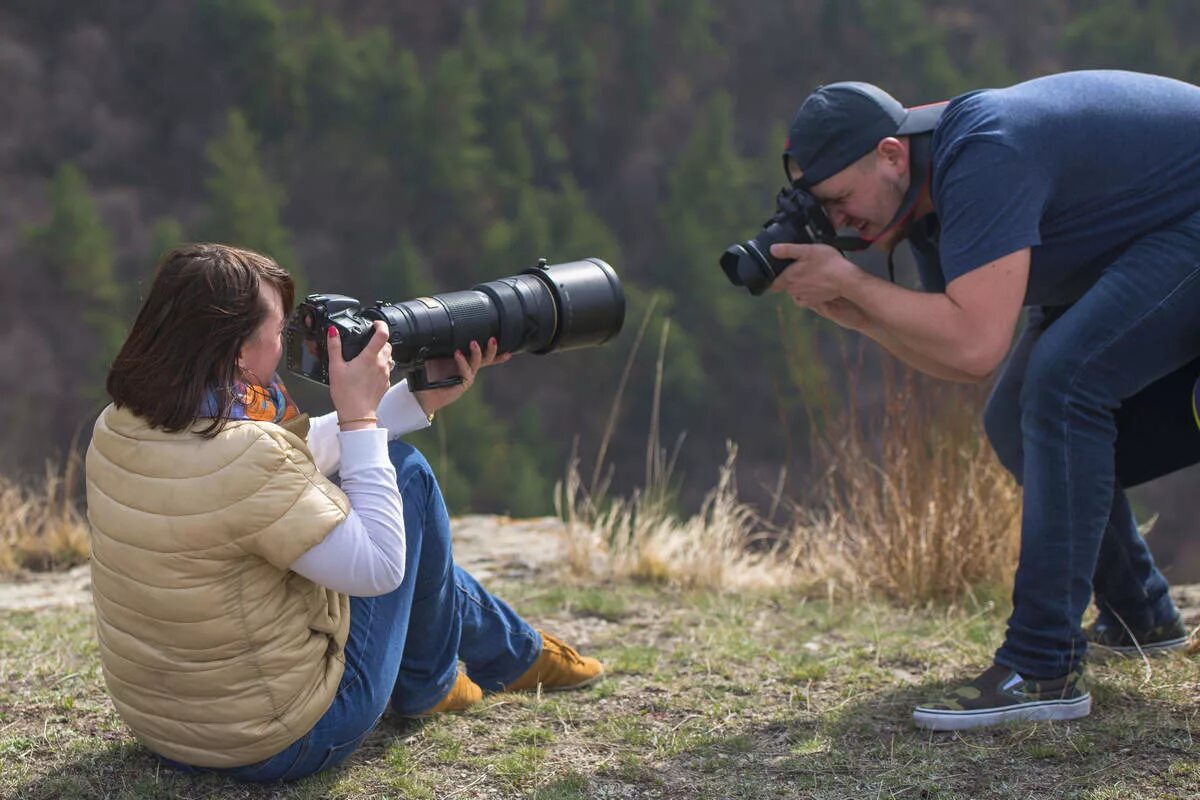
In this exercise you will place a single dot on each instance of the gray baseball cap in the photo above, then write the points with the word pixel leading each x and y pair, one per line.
pixel 840 123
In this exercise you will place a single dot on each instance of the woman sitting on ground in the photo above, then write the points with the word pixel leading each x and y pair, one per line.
pixel 253 617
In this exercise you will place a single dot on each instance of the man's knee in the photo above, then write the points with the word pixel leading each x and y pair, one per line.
pixel 1002 424
pixel 1059 387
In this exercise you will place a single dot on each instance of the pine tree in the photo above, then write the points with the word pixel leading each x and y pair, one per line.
pixel 403 274
pixel 76 247
pixel 454 160
pixel 243 202
pixel 166 235
pixel 252 41
pixel 710 205
pixel 481 464
pixel 393 100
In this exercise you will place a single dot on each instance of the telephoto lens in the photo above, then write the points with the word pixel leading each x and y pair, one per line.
pixel 543 309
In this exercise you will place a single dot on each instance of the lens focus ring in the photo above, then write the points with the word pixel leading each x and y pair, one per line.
pixel 471 314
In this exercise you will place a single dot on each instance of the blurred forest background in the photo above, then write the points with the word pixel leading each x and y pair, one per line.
pixel 386 149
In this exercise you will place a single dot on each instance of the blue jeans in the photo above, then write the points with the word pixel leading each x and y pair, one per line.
pixel 1096 396
pixel 449 615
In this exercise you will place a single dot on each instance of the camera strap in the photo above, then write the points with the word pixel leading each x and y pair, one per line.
pixel 919 159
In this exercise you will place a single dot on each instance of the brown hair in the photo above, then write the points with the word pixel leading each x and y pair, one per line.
pixel 203 306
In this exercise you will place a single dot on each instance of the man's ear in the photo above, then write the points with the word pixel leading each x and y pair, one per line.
pixel 894 153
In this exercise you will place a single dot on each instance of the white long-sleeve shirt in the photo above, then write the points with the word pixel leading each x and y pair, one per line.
pixel 363 555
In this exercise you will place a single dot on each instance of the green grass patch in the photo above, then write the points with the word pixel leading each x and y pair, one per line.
pixel 708 695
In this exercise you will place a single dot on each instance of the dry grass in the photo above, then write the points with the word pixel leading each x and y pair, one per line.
pixel 722 546
pixel 641 537
pixel 910 506
pixel 915 506
pixel 41 526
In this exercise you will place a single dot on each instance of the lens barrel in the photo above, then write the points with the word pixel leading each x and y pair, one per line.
pixel 541 310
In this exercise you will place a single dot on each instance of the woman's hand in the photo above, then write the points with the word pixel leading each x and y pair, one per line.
pixel 356 386
pixel 439 369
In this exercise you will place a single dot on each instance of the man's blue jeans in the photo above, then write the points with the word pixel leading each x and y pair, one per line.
pixel 404 646
pixel 1132 341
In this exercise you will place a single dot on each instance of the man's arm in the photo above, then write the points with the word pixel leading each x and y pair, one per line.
pixel 848 315
pixel 968 329
pixel 919 362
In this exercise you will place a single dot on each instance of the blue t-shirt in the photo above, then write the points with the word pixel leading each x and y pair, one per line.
pixel 1075 166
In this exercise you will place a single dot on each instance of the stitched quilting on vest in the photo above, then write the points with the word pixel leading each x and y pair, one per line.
pixel 214 652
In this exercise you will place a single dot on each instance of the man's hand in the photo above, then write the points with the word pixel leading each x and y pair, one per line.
pixel 816 275
pixel 439 369
pixel 844 313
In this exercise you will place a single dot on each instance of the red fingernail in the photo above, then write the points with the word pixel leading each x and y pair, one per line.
pixel 332 331
pixel 492 341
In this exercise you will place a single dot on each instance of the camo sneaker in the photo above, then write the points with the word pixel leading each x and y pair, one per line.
pixel 1001 695
pixel 1114 639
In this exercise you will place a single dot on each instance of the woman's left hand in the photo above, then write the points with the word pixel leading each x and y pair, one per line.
pixel 439 369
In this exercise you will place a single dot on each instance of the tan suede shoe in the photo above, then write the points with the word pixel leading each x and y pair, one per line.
pixel 463 694
pixel 558 668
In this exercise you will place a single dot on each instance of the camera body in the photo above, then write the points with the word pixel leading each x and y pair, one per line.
pixel 308 327
pixel 541 310
pixel 798 219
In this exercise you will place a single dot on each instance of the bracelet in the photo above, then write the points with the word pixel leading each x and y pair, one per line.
pixel 342 422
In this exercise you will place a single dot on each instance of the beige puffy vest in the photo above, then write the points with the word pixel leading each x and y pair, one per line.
pixel 214 652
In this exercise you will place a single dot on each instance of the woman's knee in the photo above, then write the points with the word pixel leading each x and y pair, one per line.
pixel 410 465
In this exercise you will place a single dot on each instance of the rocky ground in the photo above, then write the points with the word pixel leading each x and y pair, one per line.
pixel 489 547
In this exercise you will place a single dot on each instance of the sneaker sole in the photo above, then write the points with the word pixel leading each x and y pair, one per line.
pixel 1155 649
pixel 936 719
pixel 599 676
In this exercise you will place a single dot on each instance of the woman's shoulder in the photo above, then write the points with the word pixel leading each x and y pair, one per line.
pixel 128 440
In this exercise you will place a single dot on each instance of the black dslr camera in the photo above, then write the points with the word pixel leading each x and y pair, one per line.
pixel 799 219
pixel 541 310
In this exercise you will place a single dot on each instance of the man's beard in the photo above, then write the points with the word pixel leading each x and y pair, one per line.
pixel 890 237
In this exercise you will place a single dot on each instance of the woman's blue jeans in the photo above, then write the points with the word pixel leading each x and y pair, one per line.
pixel 1096 396
pixel 404 646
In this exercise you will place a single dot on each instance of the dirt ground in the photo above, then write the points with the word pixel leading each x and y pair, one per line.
pixel 490 547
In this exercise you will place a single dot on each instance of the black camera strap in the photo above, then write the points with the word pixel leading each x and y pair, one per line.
pixel 920 162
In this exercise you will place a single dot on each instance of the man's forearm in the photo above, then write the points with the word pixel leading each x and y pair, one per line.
pixel 916 360
pixel 925 330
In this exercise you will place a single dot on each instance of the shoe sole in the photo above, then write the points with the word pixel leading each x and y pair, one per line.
pixel 1101 651
pixel 599 676
pixel 936 719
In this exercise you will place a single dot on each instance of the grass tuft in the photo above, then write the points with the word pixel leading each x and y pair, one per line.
pixel 41 526
pixel 911 506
